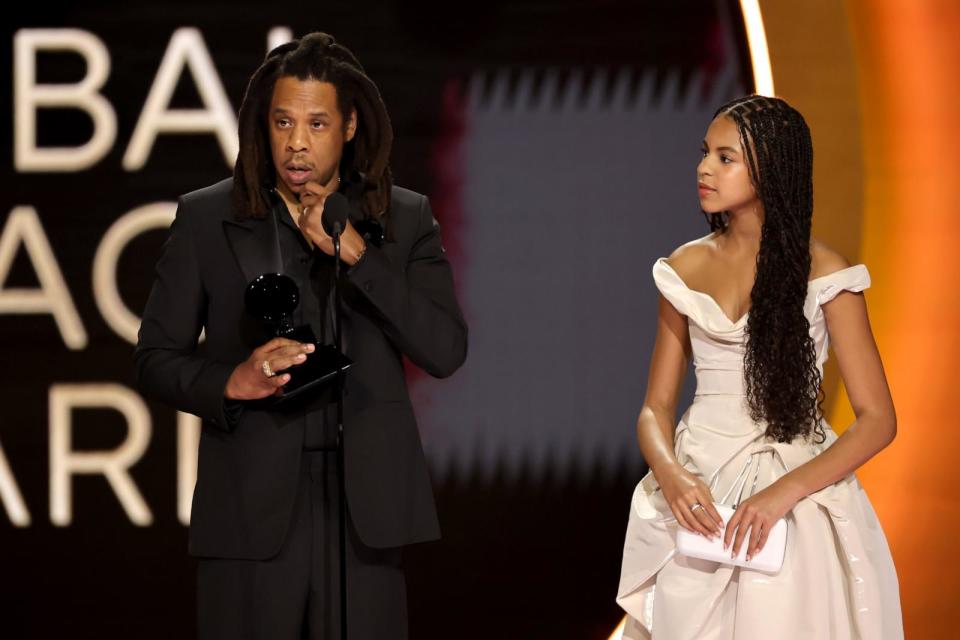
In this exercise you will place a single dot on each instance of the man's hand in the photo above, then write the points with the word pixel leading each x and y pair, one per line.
pixel 310 221
pixel 249 381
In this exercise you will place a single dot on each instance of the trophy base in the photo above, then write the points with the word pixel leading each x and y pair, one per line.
pixel 318 371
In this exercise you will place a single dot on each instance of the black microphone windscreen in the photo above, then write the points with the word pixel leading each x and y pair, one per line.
pixel 335 209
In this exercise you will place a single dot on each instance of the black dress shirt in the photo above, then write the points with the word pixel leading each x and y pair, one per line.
pixel 312 271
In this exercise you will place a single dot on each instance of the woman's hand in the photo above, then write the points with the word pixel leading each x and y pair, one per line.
pixel 755 516
pixel 689 499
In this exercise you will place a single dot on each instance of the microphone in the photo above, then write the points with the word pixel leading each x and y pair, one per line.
pixel 335 213
pixel 334 221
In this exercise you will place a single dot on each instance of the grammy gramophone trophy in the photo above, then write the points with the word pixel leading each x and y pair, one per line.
pixel 272 299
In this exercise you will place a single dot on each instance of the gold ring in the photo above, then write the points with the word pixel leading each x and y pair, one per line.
pixel 694 507
pixel 267 371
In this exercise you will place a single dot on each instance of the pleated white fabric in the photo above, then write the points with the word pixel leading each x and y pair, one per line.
pixel 837 581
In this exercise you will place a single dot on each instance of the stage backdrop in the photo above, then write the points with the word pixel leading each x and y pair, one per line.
pixel 558 145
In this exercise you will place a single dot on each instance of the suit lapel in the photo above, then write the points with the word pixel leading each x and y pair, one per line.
pixel 255 246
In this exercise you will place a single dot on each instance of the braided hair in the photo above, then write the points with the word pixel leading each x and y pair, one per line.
pixel 316 56
pixel 780 368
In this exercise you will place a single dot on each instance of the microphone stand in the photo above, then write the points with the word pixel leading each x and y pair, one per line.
pixel 341 475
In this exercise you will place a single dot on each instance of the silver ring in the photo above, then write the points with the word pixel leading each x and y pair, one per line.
pixel 267 371
pixel 695 506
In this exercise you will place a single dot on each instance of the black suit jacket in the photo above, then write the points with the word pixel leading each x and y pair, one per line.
pixel 398 300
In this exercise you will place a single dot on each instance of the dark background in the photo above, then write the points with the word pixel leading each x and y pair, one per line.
pixel 531 549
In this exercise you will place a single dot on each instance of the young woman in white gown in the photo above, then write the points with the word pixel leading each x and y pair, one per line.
pixel 755 304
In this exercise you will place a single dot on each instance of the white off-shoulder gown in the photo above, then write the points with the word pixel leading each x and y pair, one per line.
pixel 837 581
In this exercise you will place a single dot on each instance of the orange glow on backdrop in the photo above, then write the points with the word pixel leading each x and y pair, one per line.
pixel 909 58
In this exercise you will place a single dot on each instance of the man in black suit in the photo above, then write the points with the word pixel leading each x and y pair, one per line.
pixel 264 523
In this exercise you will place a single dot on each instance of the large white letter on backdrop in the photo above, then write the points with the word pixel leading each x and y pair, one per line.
pixel 278 36
pixel 84 95
pixel 10 495
pixel 188 442
pixel 113 464
pixel 158 215
pixel 23 227
pixel 186 49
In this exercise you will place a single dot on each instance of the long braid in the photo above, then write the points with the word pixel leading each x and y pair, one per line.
pixel 783 383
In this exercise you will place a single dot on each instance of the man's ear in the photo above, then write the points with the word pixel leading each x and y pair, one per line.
pixel 351 129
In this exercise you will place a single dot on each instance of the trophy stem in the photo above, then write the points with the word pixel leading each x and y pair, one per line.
pixel 285 326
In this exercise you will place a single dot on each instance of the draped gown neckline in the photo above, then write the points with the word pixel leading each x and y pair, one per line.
pixel 743 318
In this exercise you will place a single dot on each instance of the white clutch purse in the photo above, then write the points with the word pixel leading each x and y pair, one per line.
pixel 768 559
